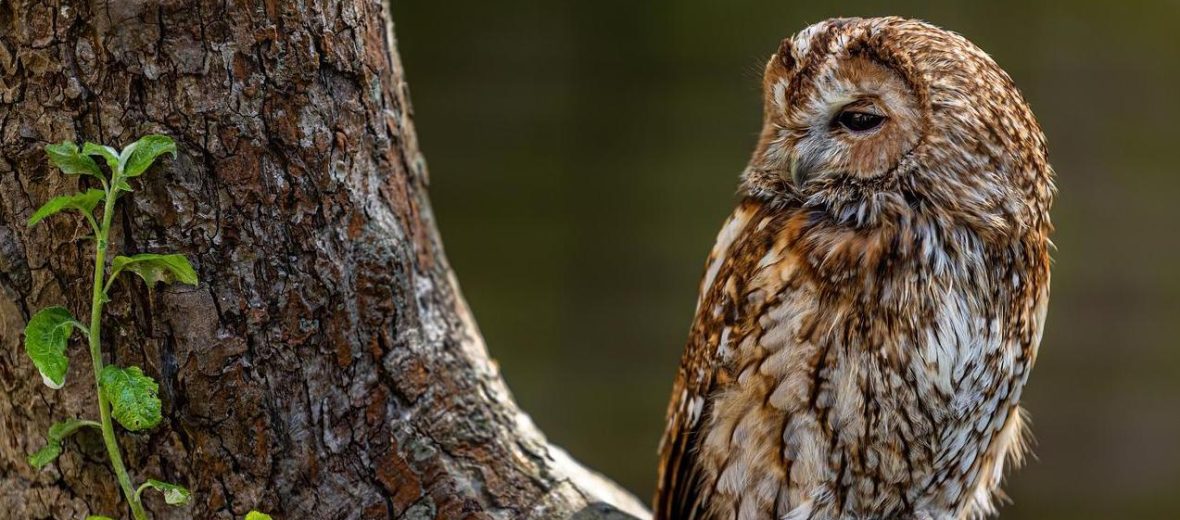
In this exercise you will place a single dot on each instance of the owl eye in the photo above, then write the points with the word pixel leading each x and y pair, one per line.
pixel 859 121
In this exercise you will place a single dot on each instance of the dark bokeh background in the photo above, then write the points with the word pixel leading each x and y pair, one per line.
pixel 584 153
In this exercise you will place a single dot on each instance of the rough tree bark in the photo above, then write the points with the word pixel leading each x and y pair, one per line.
pixel 326 366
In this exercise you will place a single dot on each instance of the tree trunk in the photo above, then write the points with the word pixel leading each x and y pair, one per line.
pixel 326 366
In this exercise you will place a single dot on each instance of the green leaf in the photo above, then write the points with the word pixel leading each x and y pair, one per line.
pixel 133 397
pixel 140 155
pixel 255 515
pixel 174 495
pixel 53 441
pixel 44 456
pixel 66 157
pixel 46 336
pixel 156 268
pixel 110 154
pixel 84 202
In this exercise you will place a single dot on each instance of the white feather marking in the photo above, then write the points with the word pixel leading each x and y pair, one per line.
pixel 729 232
pixel 723 350
pixel 695 405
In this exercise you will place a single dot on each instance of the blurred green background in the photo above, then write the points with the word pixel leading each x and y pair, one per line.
pixel 584 153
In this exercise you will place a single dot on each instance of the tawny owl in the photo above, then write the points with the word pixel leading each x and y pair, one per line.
pixel 872 309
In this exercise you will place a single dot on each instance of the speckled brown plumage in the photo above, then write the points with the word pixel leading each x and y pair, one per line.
pixel 872 309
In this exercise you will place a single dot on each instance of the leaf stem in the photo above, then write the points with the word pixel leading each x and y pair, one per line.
pixel 78 425
pixel 93 223
pixel 139 490
pixel 98 299
pixel 81 327
pixel 107 286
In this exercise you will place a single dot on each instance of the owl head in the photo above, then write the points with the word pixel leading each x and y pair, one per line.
pixel 876 121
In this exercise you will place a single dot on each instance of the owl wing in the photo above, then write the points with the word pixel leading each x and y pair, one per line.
pixel 678 495
pixel 681 494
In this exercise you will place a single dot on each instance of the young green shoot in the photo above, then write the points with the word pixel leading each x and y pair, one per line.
pixel 125 394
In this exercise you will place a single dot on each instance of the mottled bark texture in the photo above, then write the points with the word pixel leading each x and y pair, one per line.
pixel 326 366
